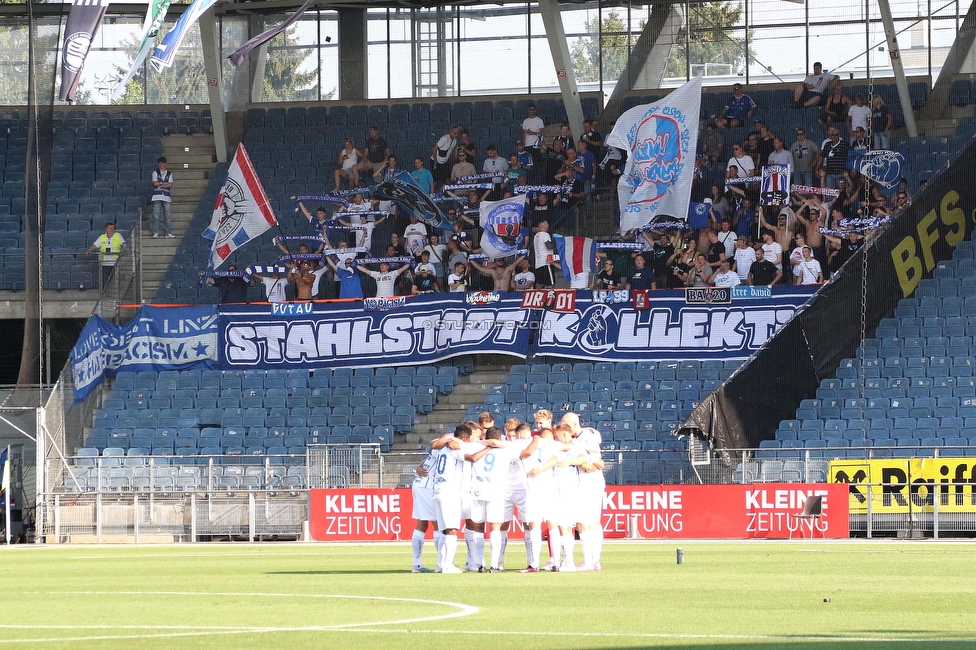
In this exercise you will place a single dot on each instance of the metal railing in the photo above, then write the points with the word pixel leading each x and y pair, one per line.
pixel 912 509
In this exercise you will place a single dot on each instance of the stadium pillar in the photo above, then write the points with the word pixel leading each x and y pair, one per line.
pixel 898 68
pixel 215 83
pixel 938 106
pixel 648 58
pixel 352 54
pixel 556 36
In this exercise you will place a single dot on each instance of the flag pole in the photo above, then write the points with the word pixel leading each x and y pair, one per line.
pixel 5 471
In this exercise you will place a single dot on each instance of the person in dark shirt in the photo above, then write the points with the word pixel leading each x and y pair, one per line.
pixel 716 250
pixel 660 253
pixel 763 272
pixel 425 282
pixel 607 279
pixel 640 277
pixel 231 289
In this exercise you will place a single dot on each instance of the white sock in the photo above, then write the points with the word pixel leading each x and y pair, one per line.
pixel 469 542
pixel 501 556
pixel 450 550
pixel 479 549
pixel 535 535
pixel 569 547
pixel 555 545
pixel 439 547
pixel 496 547
pixel 586 541
pixel 598 546
pixel 417 541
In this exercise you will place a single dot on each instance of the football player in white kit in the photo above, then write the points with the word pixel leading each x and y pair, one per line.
pixel 541 500
pixel 489 476
pixel 448 471
pixel 474 532
pixel 519 437
pixel 424 510
pixel 592 486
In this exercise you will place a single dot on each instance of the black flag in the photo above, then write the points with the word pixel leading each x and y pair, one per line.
pixel 83 22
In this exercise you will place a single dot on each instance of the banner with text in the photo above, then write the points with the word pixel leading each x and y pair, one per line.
pixel 903 485
pixel 668 326
pixel 769 511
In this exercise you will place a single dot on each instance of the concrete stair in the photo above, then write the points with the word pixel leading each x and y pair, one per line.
pixel 450 409
pixel 191 159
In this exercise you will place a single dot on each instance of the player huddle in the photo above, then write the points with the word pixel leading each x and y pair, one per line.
pixel 481 475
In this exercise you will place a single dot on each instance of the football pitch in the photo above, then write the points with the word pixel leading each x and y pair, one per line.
pixel 850 594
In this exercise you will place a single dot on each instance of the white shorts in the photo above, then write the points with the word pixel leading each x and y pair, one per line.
pixel 491 511
pixel 515 499
pixel 591 490
pixel 423 505
pixel 466 502
pixel 568 502
pixel 448 511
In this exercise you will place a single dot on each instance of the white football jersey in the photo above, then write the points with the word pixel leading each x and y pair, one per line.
pixel 489 475
pixel 429 465
pixel 449 470
pixel 516 470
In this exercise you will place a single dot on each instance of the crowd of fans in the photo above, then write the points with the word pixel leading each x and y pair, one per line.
pixel 791 238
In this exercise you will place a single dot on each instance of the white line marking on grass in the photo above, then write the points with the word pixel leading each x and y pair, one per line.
pixel 256 554
pixel 463 610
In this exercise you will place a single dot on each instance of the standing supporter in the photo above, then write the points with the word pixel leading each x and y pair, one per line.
pixel 532 127
pixel 716 250
pixel 546 257
pixel 725 276
pixel 750 147
pixel 385 278
pixel 349 284
pixel 744 218
pixel 564 136
pixel 813 215
pixel 349 159
pixel 809 268
pixel 805 159
pixel 858 115
pixel 466 145
pixel 588 163
pixel 425 282
pixel 765 144
pixel 109 245
pixel 744 258
pixel 833 157
pixel 463 167
pixel 811 91
pixel 661 253
pixel 743 163
pixel 499 273
pixel 415 235
pixel 458 281
pixel 639 276
pixel 763 272
pixel 376 152
pixel 524 157
pixel 835 107
pixel 524 278
pixel 274 287
pixel 779 155
pixel 232 289
pixel 162 180
pixel 440 157
pixel 304 278
pixel 738 108
pixel 436 255
pixel 422 176
pixel 881 122
pixel 726 237
pixel 860 141
pixel 515 175
pixel 550 162
pixel 772 251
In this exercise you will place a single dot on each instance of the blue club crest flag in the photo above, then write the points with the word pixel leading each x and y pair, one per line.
pixel 502 223
pixel 661 139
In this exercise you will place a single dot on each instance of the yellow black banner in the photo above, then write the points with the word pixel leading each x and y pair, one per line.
pixel 908 484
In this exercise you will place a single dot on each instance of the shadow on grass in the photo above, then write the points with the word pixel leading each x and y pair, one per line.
pixel 346 572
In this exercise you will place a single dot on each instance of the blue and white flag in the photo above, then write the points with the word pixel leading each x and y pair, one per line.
pixel 698 214
pixel 775 187
pixel 403 190
pixel 155 15
pixel 883 167
pixel 661 139
pixel 166 51
pixel 502 224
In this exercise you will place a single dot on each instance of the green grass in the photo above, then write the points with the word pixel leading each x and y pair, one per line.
pixel 745 595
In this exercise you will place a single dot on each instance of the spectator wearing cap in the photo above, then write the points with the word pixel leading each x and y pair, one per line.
pixel 738 108
pixel 425 281
pixel 811 91
pixel 744 257
pixel 806 155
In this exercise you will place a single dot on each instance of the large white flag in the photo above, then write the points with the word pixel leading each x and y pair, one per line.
pixel 155 15
pixel 661 140
pixel 502 223
pixel 242 211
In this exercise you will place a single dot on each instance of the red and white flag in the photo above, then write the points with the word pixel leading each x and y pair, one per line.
pixel 242 213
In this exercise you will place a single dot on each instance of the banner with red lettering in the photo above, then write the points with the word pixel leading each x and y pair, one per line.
pixel 758 511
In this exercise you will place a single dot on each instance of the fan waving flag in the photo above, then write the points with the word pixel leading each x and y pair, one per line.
pixel 242 211
pixel 577 254
pixel 661 139
pixel 502 223
pixel 411 200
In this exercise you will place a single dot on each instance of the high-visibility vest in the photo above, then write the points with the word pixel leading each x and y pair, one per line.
pixel 111 249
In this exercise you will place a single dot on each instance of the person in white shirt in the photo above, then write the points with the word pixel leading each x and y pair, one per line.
pixel 812 90
pixel 519 437
pixel 457 281
pixel 440 157
pixel 437 253
pixel 489 479
pixel 274 286
pixel 809 269
pixel 424 510
pixel 532 127
pixel 725 276
pixel 781 156
pixel 592 486
pixel 448 486
pixel 546 257
pixel 415 236
pixel 524 278
pixel 743 162
pixel 364 234
pixel 541 496
pixel 385 278
pixel 495 164
pixel 858 115
pixel 772 251
pixel 744 257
